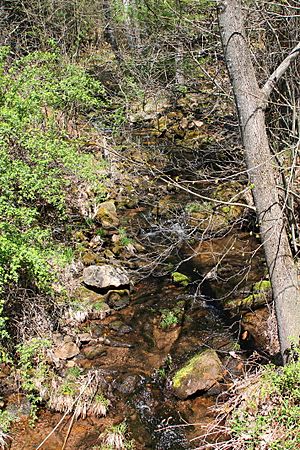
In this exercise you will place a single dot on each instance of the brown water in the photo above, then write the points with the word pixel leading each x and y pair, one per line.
pixel 142 355
pixel 137 367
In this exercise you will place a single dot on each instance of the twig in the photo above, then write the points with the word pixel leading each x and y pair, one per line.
pixel 66 413
pixel 69 431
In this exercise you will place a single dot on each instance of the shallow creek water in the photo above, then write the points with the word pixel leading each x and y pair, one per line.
pixel 140 360
pixel 142 356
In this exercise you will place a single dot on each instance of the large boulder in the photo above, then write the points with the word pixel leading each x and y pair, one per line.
pixel 105 276
pixel 199 373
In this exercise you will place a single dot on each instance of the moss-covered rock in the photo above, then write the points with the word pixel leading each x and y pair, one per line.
pixel 180 278
pixel 89 258
pixel 107 215
pixel 213 216
pixel 199 373
pixel 260 295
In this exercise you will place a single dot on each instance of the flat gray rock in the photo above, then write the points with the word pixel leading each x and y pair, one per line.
pixel 105 276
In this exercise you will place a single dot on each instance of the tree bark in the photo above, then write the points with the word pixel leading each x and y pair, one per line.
pixel 109 32
pixel 131 26
pixel 250 103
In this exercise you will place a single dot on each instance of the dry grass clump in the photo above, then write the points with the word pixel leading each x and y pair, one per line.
pixel 79 312
pixel 80 394
pixel 3 439
pixel 262 412
pixel 115 438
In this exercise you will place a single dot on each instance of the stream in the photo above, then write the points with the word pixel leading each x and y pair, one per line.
pixel 140 345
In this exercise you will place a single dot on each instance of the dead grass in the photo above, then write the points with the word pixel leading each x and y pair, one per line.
pixel 261 411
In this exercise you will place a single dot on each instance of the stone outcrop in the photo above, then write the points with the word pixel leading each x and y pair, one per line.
pixel 67 351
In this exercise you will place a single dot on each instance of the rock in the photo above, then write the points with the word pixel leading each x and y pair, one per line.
pixel 115 238
pixel 86 296
pixel 164 339
pixel 94 351
pixel 89 257
pixel 97 330
pixel 105 276
pixel 120 328
pixel 84 337
pixel 116 301
pixel 96 242
pixel 218 258
pixel 260 326
pixel 67 351
pixel 129 385
pixel 18 406
pixel 109 254
pixel 148 109
pixel 107 215
pixel 139 248
pixel 57 338
pixel 167 207
pixel 200 373
pixel 99 311
pixel 4 371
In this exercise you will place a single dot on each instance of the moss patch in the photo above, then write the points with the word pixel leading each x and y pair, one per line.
pixel 180 278
pixel 260 295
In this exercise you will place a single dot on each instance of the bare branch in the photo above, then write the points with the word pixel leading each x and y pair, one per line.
pixel 280 71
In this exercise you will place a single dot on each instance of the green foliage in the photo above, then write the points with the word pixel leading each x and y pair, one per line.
pixel 272 412
pixel 5 421
pixel 168 319
pixel 40 161
pixel 33 369
pixel 74 372
pixel 195 207
pixel 124 239
pixel 3 320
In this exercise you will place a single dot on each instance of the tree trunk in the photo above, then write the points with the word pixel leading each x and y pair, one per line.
pixel 250 104
pixel 131 26
pixel 179 71
pixel 109 32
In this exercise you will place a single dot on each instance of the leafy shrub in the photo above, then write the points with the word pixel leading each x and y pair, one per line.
pixel 40 163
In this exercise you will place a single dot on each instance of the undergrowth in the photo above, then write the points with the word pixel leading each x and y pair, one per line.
pixel 43 165
pixel 262 413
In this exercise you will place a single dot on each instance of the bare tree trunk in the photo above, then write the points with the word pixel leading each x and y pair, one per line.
pixel 250 104
pixel 179 71
pixel 109 32
pixel 131 26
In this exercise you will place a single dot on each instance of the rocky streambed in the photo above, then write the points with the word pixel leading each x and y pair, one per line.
pixel 155 356
pixel 138 361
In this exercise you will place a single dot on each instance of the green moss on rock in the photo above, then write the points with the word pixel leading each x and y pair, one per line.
pixel 260 295
pixel 200 373
pixel 180 278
